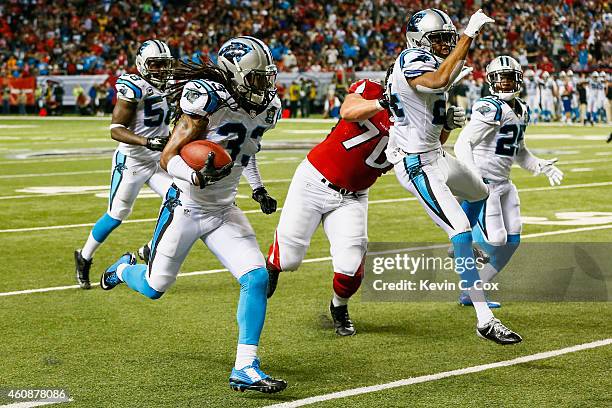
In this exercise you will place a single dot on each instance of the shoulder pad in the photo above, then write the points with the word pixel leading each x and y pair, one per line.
pixel 487 109
pixel 130 87
pixel 367 88
pixel 415 62
pixel 202 98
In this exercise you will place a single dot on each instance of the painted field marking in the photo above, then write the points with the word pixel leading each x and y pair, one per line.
pixel 311 260
pixel 438 376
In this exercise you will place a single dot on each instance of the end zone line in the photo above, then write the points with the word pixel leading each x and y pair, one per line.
pixel 311 260
pixel 439 376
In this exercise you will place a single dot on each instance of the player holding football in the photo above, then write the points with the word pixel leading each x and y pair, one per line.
pixel 490 144
pixel 140 125
pixel 331 187
pixel 417 87
pixel 233 105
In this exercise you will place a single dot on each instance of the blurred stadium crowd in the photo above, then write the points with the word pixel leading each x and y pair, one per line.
pixel 73 37
pixel 40 37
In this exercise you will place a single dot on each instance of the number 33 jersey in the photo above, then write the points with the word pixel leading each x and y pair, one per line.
pixel 497 133
pixel 353 154
pixel 229 125
pixel 418 118
pixel 152 114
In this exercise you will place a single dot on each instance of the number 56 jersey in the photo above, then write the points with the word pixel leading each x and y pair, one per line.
pixel 353 154
pixel 229 125
pixel 152 114
pixel 496 131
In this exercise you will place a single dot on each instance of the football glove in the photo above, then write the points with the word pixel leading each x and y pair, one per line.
pixel 476 22
pixel 455 118
pixel 383 101
pixel 157 144
pixel 209 174
pixel 266 202
pixel 547 167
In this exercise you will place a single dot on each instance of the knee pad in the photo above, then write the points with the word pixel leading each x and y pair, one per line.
pixel 350 260
pixel 285 257
pixel 344 285
pixel 120 210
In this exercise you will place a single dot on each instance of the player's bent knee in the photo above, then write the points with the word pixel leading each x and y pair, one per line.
pixel 291 259
pixel 121 213
pixel 497 237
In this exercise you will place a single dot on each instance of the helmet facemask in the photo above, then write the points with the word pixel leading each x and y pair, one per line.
pixel 441 43
pixel 506 85
pixel 259 86
pixel 158 70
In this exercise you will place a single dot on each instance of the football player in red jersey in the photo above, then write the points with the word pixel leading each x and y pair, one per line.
pixel 331 187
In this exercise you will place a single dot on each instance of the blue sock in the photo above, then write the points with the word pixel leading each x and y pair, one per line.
pixel 104 226
pixel 251 312
pixel 465 264
pixel 500 254
pixel 472 210
pixel 134 277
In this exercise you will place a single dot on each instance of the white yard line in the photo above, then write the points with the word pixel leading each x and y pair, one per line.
pixel 439 376
pixel 311 260
pixel 31 404
pixel 390 200
pixel 67 173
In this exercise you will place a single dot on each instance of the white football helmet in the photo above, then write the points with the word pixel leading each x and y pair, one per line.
pixel 249 64
pixel 505 77
pixel 530 73
pixel 545 75
pixel 154 62
pixel 428 27
pixel 570 73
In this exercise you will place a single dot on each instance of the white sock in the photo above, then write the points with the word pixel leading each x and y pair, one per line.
pixel 245 355
pixel 90 247
pixel 339 301
pixel 120 269
pixel 483 313
pixel 487 273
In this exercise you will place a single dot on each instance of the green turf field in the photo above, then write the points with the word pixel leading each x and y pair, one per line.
pixel 119 349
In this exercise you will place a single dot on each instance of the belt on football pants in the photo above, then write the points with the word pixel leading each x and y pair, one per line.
pixel 336 188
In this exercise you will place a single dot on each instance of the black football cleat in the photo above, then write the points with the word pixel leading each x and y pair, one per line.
pixel 342 321
pixel 495 331
pixel 82 267
pixel 144 253
pixel 252 378
pixel 272 281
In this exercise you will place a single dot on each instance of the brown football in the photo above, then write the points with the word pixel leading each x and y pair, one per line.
pixel 195 154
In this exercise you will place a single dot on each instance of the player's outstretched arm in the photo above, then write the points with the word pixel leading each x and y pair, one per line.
pixel 537 166
pixel 123 114
pixel 356 108
pixel 441 79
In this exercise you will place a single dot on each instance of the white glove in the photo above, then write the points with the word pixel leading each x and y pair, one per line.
pixel 455 118
pixel 547 167
pixel 476 22
pixel 464 72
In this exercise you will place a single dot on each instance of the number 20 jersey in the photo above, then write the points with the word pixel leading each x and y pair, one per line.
pixel 502 130
pixel 418 118
pixel 238 131
pixel 152 114
pixel 353 154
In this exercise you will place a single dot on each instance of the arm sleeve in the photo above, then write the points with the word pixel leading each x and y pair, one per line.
pixel 367 89
pixel 472 135
pixel 415 62
pixel 251 173
pixel 200 98
pixel 526 159
pixel 181 170
pixel 129 89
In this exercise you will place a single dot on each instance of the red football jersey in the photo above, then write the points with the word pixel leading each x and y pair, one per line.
pixel 353 154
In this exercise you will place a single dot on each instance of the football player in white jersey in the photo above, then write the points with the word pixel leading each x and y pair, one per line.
pixel 140 124
pixel 490 144
pixel 593 97
pixel 232 104
pixel 417 88
pixel 533 94
pixel 549 92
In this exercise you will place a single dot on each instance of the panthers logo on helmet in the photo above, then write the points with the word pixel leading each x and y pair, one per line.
pixel 412 24
pixel 235 51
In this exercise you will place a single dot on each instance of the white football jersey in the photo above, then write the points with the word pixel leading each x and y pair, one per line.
pixel 418 117
pixel 500 130
pixel 547 88
pixel 237 130
pixel 152 114
pixel 531 86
